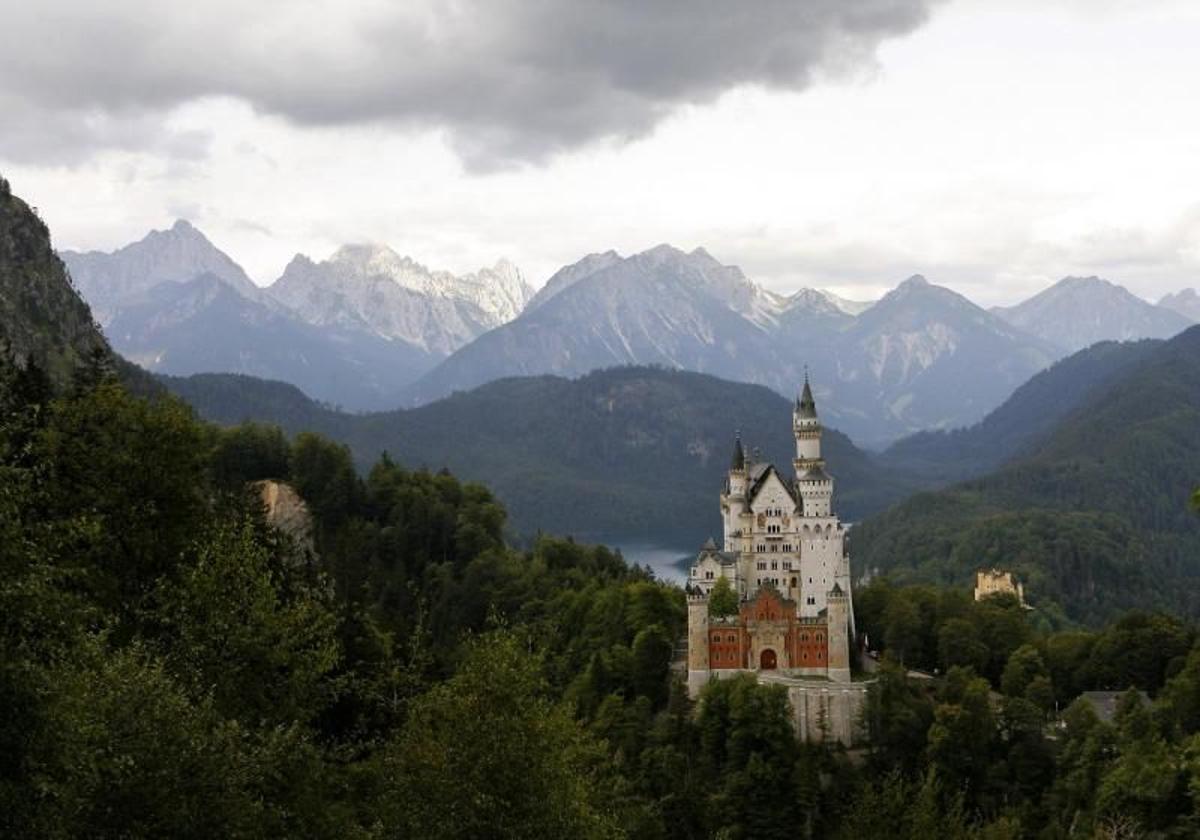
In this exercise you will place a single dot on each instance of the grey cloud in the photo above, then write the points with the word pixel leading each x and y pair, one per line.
pixel 510 80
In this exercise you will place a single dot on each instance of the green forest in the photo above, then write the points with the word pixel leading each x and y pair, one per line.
pixel 174 666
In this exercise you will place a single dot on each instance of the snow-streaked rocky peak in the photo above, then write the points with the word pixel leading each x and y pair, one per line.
pixel 371 287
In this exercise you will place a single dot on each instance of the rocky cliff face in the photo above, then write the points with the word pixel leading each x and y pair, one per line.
pixel 286 511
pixel 41 315
pixel 374 289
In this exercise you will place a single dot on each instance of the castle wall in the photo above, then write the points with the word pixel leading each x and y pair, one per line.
pixel 828 712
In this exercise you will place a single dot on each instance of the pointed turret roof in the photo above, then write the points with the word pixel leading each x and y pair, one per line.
pixel 806 406
pixel 739 455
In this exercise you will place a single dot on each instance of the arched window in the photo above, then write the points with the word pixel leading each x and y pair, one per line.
pixel 732 638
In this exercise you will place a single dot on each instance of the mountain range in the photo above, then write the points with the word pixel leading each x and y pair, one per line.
pixel 369 329
pixel 1079 482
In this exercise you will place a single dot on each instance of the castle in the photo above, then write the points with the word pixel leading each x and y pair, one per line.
pixel 784 556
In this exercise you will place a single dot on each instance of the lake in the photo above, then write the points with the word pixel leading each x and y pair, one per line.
pixel 668 563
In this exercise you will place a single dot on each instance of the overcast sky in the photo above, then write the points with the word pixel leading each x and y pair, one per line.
pixel 992 145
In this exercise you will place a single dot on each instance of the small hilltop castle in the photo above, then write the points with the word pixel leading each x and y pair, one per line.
pixel 784 556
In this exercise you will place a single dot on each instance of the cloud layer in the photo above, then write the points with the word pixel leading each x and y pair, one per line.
pixel 510 81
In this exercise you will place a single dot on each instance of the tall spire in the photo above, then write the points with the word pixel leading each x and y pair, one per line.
pixel 739 456
pixel 806 406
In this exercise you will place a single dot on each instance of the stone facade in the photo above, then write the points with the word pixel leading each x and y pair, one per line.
pixel 996 582
pixel 784 553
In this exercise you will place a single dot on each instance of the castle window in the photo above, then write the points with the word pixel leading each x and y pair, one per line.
pixel 820 637
pixel 811 600
pixel 733 638
pixel 793 583
pixel 804 637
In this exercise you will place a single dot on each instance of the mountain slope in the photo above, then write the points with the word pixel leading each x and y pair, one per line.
pixel 920 357
pixel 42 317
pixel 109 280
pixel 204 325
pixel 1025 418
pixel 1095 516
pixel 1076 312
pixel 372 289
pixel 629 453
pixel 926 357
pixel 1186 303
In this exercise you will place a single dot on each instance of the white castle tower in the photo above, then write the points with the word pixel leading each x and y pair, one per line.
pixel 781 532
pixel 784 554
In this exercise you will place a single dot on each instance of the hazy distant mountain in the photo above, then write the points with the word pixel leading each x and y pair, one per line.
pixel 925 357
pixel 1022 420
pixel 921 357
pixel 1186 303
pixel 205 325
pixel 108 280
pixel 1079 311
pixel 373 289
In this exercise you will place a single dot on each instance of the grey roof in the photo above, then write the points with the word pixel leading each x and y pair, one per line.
pixel 710 544
pixel 806 406
pixel 1104 703
pixel 739 456
pixel 815 473
pixel 759 474
pixel 725 558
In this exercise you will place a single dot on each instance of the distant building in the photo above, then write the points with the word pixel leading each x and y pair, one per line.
pixel 1104 703
pixel 997 582
pixel 784 554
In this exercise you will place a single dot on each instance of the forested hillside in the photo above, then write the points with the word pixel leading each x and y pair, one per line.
pixel 1024 419
pixel 626 452
pixel 1094 517
pixel 41 317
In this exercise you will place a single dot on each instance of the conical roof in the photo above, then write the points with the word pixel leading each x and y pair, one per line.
pixel 739 456
pixel 806 406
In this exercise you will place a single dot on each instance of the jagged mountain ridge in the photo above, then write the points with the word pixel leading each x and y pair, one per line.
pixel 686 310
pixel 1077 312
pixel 374 289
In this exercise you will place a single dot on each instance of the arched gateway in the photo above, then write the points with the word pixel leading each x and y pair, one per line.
pixel 767 661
